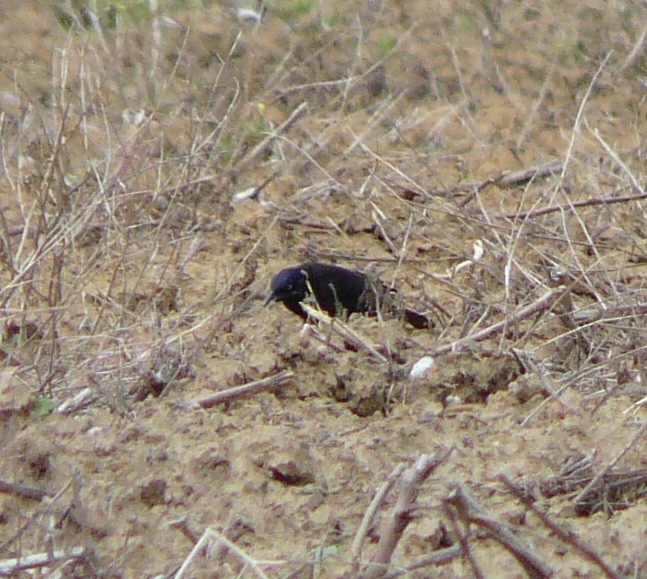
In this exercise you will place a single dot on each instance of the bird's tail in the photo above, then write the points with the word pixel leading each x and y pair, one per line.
pixel 416 320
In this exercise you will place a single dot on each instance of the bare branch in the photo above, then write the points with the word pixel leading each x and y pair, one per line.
pixel 470 511
pixel 567 536
pixel 542 304
pixel 244 390
pixel 403 511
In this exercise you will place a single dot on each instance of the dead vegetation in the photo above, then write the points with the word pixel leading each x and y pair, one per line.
pixel 487 157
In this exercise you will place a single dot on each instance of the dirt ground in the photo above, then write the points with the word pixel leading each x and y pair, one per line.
pixel 485 158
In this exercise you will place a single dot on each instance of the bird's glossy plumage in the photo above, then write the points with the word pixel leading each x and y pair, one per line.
pixel 338 291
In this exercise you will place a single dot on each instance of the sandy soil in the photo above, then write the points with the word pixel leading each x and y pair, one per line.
pixel 136 256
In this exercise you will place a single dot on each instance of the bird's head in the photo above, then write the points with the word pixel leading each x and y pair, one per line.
pixel 288 284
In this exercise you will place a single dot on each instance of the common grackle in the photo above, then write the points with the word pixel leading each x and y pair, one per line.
pixel 338 291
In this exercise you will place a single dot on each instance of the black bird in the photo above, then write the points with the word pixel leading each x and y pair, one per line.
pixel 338 291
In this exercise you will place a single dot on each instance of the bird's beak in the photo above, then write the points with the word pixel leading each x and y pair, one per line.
pixel 270 299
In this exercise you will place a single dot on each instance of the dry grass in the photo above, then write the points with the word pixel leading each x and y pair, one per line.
pixel 487 160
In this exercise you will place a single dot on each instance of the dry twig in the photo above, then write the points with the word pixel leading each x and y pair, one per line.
pixel 463 543
pixel 244 390
pixel 297 113
pixel 636 437
pixel 403 511
pixel 210 538
pixel 369 516
pixel 470 511
pixel 11 567
pixel 24 492
pixel 568 537
pixel 540 305
pixel 568 207
pixel 344 331
pixel 440 557
pixel 639 47
pixel 512 179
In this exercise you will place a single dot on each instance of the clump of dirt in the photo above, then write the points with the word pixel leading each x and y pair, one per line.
pixel 159 169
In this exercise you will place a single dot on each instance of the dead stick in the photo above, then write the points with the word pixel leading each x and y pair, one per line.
pixel 514 178
pixel 182 525
pixel 13 566
pixel 638 49
pixel 439 557
pixel 403 511
pixel 463 543
pixel 524 175
pixel 369 516
pixel 284 127
pixel 605 470
pixel 470 511
pixel 575 204
pixel 24 492
pixel 245 390
pixel 568 537
pixel 541 304
pixel 212 538
pixel 344 331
